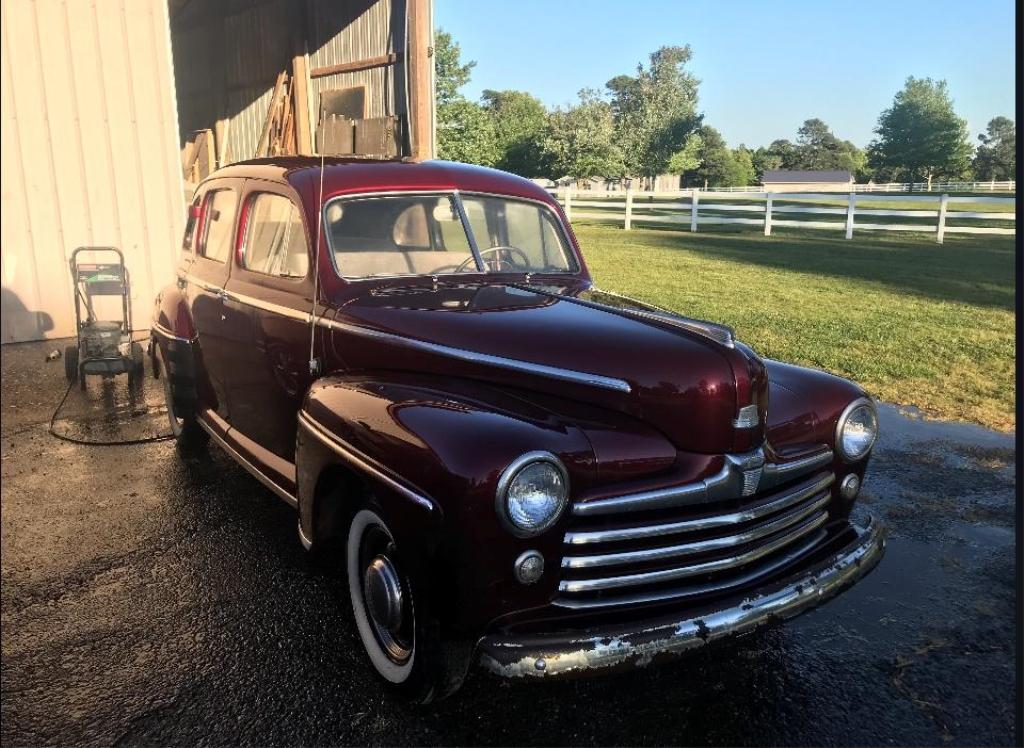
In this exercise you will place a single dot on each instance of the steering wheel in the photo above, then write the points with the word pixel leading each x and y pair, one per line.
pixel 499 261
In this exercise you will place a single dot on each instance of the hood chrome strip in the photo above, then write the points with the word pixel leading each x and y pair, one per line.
pixel 552 372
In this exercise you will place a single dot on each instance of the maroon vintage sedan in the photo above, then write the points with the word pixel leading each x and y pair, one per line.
pixel 512 467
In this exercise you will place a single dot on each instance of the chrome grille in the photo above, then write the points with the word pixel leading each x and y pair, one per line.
pixel 651 550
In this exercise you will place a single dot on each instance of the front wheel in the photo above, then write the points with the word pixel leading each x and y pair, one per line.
pixel 398 632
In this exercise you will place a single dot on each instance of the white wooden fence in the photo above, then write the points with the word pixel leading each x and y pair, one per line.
pixel 681 208
pixel 989 186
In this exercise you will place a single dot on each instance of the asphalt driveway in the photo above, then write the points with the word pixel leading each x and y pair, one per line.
pixel 148 601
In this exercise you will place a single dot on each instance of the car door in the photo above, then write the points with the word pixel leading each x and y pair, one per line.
pixel 206 278
pixel 273 277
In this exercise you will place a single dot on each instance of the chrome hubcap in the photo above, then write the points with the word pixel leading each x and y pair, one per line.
pixel 386 604
pixel 383 593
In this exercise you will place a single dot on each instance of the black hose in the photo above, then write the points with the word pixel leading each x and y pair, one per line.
pixel 118 443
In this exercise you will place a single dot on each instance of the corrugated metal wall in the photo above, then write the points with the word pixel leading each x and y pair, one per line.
pixel 227 56
pixel 345 32
pixel 90 154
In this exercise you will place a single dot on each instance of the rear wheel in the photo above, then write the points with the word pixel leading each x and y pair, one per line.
pixel 71 363
pixel 190 437
pixel 398 632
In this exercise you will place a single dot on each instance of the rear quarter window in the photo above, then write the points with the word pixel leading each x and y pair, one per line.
pixel 218 225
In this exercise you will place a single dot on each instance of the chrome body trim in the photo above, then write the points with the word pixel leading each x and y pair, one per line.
pixel 252 301
pixel 506 477
pixel 553 372
pixel 355 457
pixel 306 542
pixel 842 422
pixel 157 327
pixel 741 475
pixel 698 546
pixel 470 236
pixel 252 469
pixel 640 643
pixel 707 567
pixel 712 522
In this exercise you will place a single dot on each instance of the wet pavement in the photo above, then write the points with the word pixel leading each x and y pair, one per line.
pixel 149 601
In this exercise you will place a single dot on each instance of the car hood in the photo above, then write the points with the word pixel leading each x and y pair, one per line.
pixel 686 378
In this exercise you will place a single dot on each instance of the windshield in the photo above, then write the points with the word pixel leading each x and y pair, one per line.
pixel 442 235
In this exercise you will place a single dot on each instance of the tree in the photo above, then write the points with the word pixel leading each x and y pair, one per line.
pixel 764 159
pixel 743 171
pixel 720 166
pixel 785 152
pixel 654 111
pixel 580 140
pixel 465 132
pixel 520 123
pixel 818 148
pixel 686 158
pixel 449 73
pixel 920 136
pixel 996 157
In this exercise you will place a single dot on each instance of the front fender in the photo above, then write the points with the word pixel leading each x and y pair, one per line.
pixel 446 441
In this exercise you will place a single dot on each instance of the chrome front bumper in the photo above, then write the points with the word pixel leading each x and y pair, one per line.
pixel 638 645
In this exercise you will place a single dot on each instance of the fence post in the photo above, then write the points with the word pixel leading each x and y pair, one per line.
pixel 849 215
pixel 694 200
pixel 940 230
pixel 568 203
pixel 768 216
pixel 628 223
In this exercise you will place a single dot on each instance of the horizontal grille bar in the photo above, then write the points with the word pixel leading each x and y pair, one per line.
pixel 692 590
pixel 756 511
pixel 733 480
pixel 698 546
pixel 706 567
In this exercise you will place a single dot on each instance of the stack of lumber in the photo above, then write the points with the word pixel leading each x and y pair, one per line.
pixel 278 136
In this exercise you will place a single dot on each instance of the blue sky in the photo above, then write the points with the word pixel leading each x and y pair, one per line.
pixel 764 68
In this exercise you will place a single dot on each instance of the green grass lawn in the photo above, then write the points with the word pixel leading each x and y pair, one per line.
pixel 914 322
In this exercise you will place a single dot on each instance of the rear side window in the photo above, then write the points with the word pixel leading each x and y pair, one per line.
pixel 218 225
pixel 190 225
pixel 275 241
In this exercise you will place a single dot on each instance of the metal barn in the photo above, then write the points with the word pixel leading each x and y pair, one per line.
pixel 114 109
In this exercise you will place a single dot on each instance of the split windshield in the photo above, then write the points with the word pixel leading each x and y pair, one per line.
pixel 444 234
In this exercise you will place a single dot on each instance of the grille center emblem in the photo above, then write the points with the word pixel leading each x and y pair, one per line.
pixel 749 467
pixel 751 479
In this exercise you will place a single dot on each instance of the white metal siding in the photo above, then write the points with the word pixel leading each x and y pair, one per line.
pixel 90 154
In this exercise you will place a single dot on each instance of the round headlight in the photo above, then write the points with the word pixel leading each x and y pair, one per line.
pixel 532 492
pixel 857 430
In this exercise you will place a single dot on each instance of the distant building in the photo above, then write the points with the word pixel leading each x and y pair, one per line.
pixel 786 180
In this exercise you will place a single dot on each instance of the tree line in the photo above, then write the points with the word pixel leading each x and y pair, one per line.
pixel 646 124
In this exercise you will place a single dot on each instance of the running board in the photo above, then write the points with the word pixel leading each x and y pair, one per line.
pixel 255 471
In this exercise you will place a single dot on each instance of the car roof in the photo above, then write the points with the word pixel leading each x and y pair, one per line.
pixel 354 176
